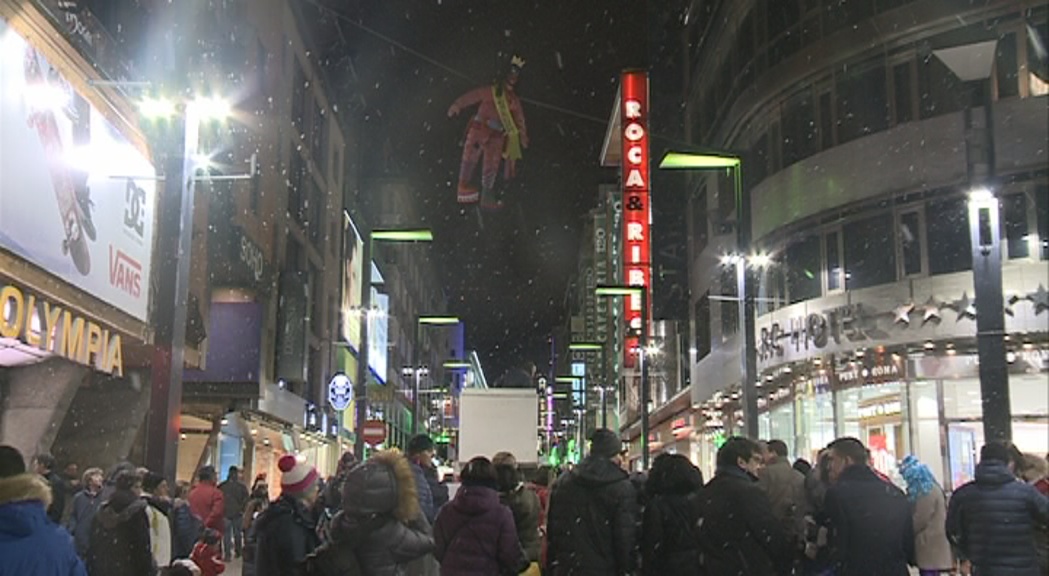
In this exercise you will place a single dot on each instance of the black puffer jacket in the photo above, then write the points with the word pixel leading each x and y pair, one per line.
pixel 871 525
pixel 120 538
pixel 285 533
pixel 381 517
pixel 993 521
pixel 592 521
pixel 739 535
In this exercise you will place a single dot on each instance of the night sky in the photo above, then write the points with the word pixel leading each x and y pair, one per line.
pixel 508 280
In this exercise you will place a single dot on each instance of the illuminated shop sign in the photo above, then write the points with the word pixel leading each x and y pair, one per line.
pixel 878 408
pixel 636 210
pixel 56 330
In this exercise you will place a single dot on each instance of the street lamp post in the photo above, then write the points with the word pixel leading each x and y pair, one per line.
pixel 592 347
pixel 744 288
pixel 641 293
pixel 175 247
pixel 412 235
pixel 421 321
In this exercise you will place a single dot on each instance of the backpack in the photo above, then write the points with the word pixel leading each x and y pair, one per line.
pixel 332 559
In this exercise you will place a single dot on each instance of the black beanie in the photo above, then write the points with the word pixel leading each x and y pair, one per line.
pixel 604 443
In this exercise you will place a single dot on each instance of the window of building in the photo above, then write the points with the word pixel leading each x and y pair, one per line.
pixel 296 187
pixel 772 289
pixel 834 266
pixel 950 247
pixel 941 91
pixel 783 18
pixel 909 242
pixel 726 195
pixel 699 222
pixel 1006 68
pixel 862 104
pixel 839 14
pixel 757 161
pixel 1014 210
pixel 728 302
pixel 803 269
pixel 826 120
pixel 298 96
pixel 870 259
pixel 1041 207
pixel 903 92
pixel 745 50
pixel 1037 69
pixel 800 135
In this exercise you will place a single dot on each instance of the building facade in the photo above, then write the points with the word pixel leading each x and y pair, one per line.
pixel 860 148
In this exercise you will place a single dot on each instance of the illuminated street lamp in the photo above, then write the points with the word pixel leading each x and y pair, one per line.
pixel 175 243
pixel 596 347
pixel 748 356
pixel 608 291
pixel 403 235
pixel 423 320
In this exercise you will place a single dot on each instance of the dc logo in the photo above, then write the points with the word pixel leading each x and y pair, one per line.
pixel 340 392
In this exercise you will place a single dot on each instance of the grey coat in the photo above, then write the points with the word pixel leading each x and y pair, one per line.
pixel 785 488
pixel 931 548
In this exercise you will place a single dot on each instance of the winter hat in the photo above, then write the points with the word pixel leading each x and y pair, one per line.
pixel 296 477
pixel 604 443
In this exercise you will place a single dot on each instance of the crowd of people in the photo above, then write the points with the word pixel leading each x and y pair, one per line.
pixel 390 515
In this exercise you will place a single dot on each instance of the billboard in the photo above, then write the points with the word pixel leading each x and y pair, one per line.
pixel 76 198
pixel 637 266
pixel 352 277
pixel 378 335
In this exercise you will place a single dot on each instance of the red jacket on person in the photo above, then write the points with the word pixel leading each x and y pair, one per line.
pixel 205 502
pixel 207 559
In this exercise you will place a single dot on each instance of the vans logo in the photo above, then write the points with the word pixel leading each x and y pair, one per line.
pixel 125 273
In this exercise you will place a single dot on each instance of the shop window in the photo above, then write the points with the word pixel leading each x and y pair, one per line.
pixel 909 235
pixel 870 259
pixel 814 419
pixel 862 103
pixel 1041 203
pixel 941 91
pixel 950 247
pixel 925 427
pixel 800 135
pixel 1014 208
pixel 832 258
pixel 875 414
pixel 903 92
pixel 1006 68
pixel 803 269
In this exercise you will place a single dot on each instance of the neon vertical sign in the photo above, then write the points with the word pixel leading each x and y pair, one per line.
pixel 637 266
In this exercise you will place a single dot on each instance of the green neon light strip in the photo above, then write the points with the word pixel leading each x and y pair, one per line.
pixel 420 235
pixel 686 161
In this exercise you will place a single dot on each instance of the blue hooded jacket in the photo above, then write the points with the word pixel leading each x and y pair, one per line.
pixel 30 543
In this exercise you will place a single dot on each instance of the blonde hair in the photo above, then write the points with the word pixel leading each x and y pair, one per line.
pixel 1035 467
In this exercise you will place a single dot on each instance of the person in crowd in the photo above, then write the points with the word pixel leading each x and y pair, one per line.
pixel 994 520
pixel 185 526
pixel 872 531
pixel 287 531
pixel 158 512
pixel 593 514
pixel 206 554
pixel 181 567
pixel 523 504
pixel 420 454
pixel 72 478
pixel 330 500
pixel 816 557
pixel 785 488
pixel 206 500
pixel 739 533
pixel 44 465
pixel 110 483
pixel 1036 473
pixel 257 504
pixel 803 466
pixel 120 532
pixel 30 544
pixel 234 501
pixel 85 504
pixel 381 518
pixel 475 533
pixel 669 546
pixel 932 551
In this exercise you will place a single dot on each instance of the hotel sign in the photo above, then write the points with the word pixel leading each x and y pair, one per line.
pixel 637 266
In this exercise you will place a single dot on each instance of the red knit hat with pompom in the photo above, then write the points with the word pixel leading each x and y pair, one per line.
pixel 297 476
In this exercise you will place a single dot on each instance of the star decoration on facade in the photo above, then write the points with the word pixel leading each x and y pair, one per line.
pixel 964 307
pixel 903 314
pixel 930 311
pixel 1040 298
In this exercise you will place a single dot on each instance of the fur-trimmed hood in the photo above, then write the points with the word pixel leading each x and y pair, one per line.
pixel 23 500
pixel 24 487
pixel 385 484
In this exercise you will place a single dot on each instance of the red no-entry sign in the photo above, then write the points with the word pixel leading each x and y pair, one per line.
pixel 374 432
